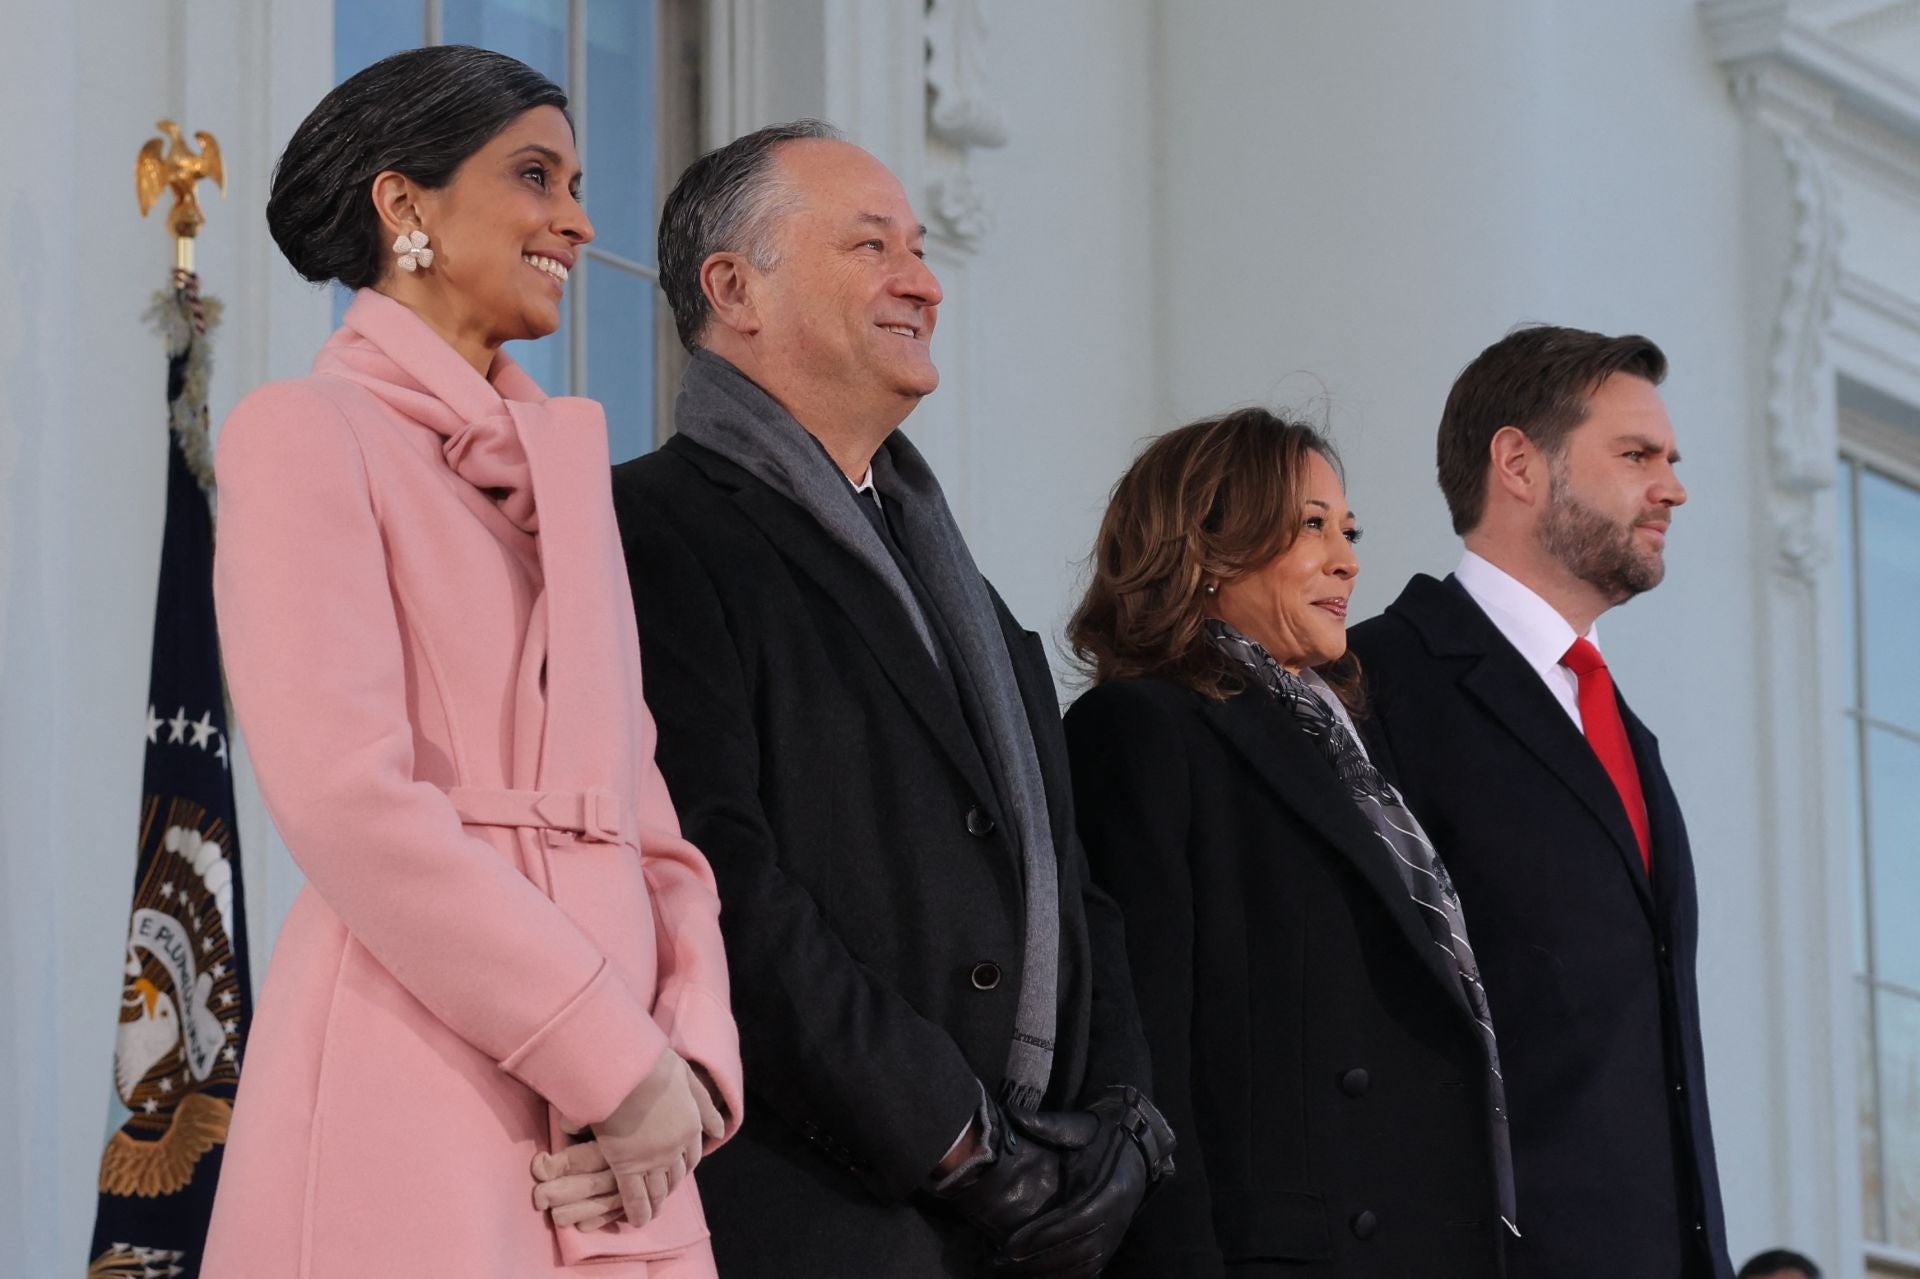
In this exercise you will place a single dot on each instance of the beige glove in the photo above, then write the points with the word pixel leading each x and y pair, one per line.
pixel 578 1187
pixel 652 1139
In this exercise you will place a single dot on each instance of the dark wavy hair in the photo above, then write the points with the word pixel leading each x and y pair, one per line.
pixel 421 113
pixel 1206 502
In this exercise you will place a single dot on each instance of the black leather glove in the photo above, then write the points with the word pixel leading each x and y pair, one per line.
pixel 1017 1181
pixel 1112 1153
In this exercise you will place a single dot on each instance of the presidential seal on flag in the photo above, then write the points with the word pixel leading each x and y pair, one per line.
pixel 176 1057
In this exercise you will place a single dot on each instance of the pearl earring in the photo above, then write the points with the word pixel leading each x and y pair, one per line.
pixel 1211 588
pixel 413 251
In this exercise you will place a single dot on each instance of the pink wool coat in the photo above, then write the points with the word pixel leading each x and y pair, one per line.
pixel 431 648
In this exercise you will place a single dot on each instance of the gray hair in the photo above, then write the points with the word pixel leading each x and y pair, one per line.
pixel 728 201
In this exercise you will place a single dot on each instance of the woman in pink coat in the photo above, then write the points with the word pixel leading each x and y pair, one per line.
pixel 431 647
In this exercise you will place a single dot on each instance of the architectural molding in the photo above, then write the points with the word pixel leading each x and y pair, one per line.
pixel 1801 427
pixel 961 118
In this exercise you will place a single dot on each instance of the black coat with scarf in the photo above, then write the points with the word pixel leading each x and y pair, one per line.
pixel 871 904
pixel 1310 1043
pixel 1588 963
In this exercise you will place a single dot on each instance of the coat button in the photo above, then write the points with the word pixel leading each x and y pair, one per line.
pixel 985 976
pixel 979 822
pixel 1356 1082
pixel 1364 1224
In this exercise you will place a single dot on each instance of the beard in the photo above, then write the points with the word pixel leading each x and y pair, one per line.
pixel 1598 549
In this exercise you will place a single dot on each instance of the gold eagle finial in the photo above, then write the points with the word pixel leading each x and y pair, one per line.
pixel 164 164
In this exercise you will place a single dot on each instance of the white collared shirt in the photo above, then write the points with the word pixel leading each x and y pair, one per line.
pixel 1530 624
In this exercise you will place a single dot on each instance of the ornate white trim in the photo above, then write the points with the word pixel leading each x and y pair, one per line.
pixel 960 119
pixel 1801 427
pixel 958 112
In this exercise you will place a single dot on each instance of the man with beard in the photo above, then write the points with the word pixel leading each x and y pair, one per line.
pixel 1545 797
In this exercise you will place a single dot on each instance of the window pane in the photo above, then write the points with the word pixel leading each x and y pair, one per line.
pixel 534 31
pixel 547 360
pixel 1863 916
pixel 1899 1032
pixel 620 356
pixel 1872 1206
pixel 1893 842
pixel 1890 562
pixel 620 143
pixel 365 31
pixel 1844 561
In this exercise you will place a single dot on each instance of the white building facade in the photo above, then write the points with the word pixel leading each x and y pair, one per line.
pixel 1143 211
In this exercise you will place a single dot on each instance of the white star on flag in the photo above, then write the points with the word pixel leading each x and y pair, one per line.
pixel 178 725
pixel 149 1105
pixel 202 729
pixel 219 971
pixel 166 1085
pixel 166 890
pixel 226 999
pixel 153 724
pixel 206 944
pixel 230 1054
pixel 232 1026
pixel 221 751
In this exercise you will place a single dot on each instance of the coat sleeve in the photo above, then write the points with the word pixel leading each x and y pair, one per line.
pixel 839 1055
pixel 1133 797
pixel 691 1003
pixel 310 630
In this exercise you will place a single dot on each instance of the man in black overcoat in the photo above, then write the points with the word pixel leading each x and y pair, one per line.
pixel 944 1063
pixel 1545 796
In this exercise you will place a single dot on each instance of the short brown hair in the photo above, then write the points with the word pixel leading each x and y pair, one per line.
pixel 1203 503
pixel 1536 379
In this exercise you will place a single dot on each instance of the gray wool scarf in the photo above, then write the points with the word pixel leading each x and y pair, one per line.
pixel 721 409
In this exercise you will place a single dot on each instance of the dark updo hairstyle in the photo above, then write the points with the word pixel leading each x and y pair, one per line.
pixel 1208 502
pixel 420 113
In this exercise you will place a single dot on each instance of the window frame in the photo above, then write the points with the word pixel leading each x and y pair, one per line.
pixel 1867 443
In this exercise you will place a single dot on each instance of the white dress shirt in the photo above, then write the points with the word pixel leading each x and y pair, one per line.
pixel 1530 624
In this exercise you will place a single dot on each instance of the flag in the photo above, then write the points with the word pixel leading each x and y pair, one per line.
pixel 185 999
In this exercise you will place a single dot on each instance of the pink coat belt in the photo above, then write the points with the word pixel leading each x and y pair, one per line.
pixel 595 816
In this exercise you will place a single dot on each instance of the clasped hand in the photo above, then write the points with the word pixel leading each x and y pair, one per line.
pixel 638 1155
pixel 1058 1197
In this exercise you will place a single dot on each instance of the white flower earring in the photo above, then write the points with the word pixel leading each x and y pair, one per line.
pixel 413 251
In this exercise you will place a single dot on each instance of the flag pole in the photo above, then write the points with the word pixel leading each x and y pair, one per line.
pixel 186 993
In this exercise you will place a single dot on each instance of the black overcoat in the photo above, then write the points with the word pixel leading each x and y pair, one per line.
pixel 871 904
pixel 1309 1045
pixel 1588 962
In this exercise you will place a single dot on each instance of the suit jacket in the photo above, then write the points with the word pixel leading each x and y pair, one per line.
pixel 400 654
pixel 873 909
pixel 1309 1044
pixel 1588 960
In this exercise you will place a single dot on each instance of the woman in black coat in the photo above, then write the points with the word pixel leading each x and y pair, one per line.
pixel 1320 1042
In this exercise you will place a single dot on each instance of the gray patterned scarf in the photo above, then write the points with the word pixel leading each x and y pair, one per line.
pixel 1321 716
pixel 721 409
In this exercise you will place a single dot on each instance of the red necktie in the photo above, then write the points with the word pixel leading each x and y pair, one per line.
pixel 1607 734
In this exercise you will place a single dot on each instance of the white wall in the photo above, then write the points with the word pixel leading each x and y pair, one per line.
pixel 1362 196
pixel 82 487
pixel 1065 369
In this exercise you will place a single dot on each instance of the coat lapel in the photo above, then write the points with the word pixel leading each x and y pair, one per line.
pixel 1301 778
pixel 875 614
pixel 1510 690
